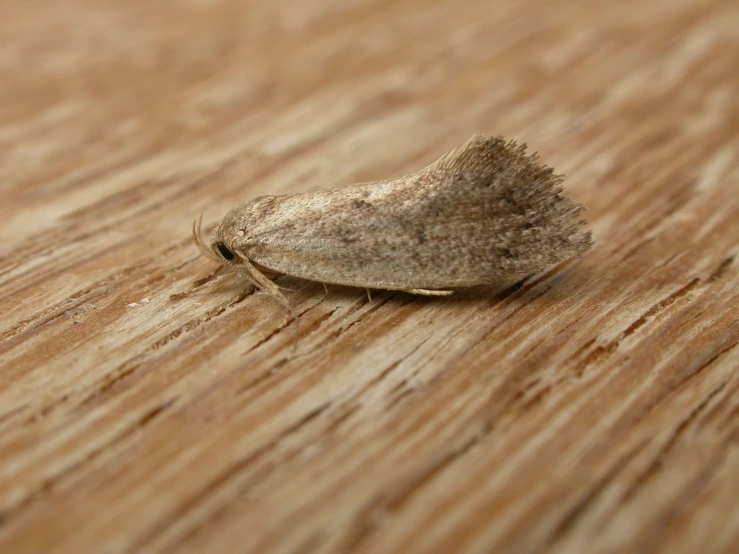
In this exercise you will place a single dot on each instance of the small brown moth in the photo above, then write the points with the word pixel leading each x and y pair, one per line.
pixel 484 213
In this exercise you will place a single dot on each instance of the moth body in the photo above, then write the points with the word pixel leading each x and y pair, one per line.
pixel 484 213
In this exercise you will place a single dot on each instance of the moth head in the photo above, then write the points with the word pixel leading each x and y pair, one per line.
pixel 220 249
pixel 223 251
pixel 230 240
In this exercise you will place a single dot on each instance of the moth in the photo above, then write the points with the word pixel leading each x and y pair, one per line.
pixel 485 213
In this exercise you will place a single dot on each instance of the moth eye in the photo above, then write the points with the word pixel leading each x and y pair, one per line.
pixel 225 252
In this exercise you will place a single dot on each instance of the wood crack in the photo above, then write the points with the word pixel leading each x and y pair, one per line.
pixel 606 350
pixel 723 268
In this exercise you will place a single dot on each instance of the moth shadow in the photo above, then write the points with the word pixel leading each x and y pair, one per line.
pixel 552 285
pixel 557 282
pixel 348 294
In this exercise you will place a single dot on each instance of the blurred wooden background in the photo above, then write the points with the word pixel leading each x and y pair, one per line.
pixel 591 408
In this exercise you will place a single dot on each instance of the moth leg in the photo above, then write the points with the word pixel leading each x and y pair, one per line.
pixel 271 275
pixel 285 288
pixel 428 292
pixel 369 295
pixel 261 281
pixel 325 287
pixel 248 289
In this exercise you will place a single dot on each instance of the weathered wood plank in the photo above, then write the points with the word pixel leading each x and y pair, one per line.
pixel 592 408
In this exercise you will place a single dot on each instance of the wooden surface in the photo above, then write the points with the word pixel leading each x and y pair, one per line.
pixel 591 408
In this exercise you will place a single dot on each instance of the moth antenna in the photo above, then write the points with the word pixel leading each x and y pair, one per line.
pixel 197 237
pixel 286 288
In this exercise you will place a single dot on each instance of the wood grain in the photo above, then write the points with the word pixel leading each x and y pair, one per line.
pixel 591 408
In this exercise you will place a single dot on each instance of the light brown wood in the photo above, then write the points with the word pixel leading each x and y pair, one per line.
pixel 592 408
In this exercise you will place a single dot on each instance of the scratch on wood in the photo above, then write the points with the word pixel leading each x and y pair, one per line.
pixel 9 414
pixel 610 347
pixel 722 269
pixel 659 306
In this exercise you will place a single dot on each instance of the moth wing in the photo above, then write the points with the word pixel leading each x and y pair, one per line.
pixel 483 213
